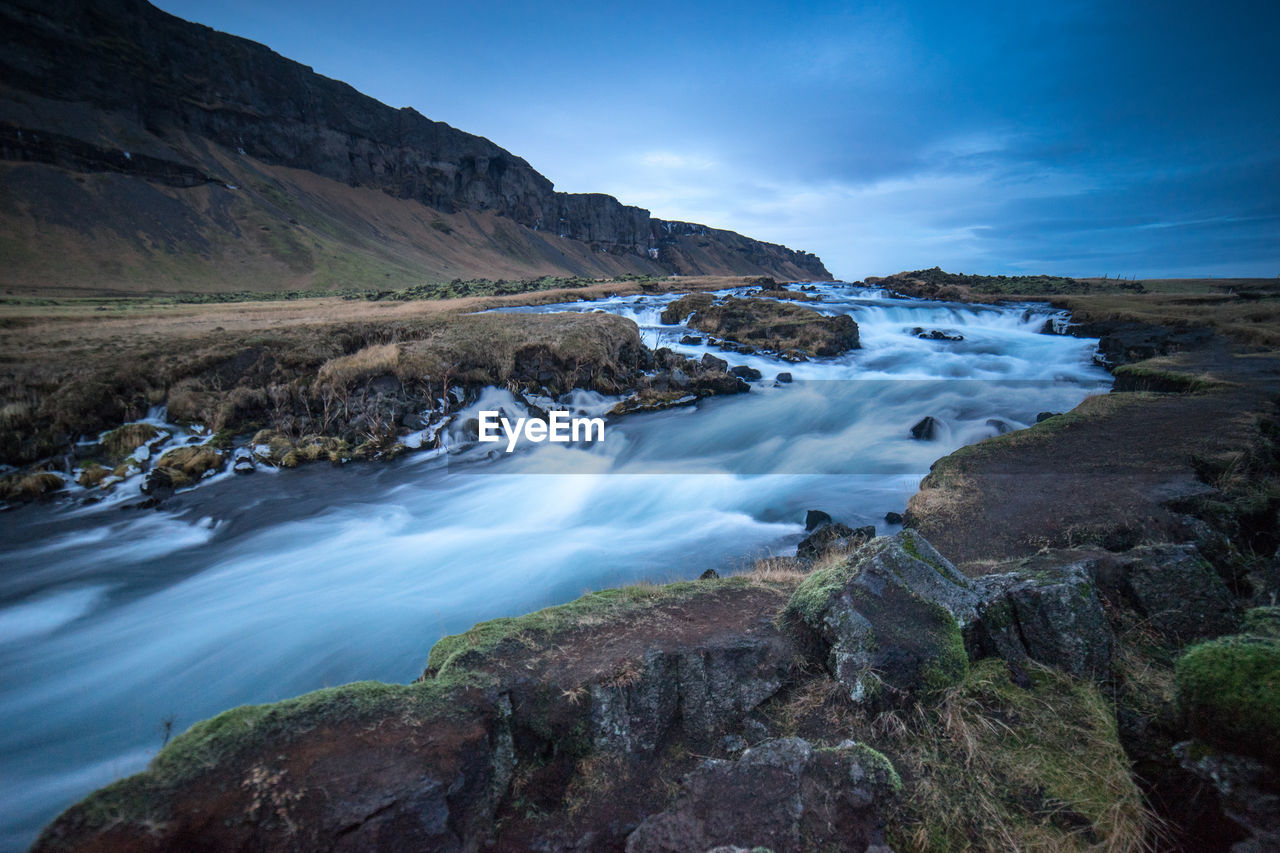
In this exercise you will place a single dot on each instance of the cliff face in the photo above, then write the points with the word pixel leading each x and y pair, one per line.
pixel 83 83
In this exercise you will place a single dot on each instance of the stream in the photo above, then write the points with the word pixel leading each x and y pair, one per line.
pixel 119 627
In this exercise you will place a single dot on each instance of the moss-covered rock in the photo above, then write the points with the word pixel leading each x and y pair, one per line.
pixel 124 440
pixel 1050 612
pixel 265 776
pixel 25 487
pixel 92 475
pixel 186 465
pixel 890 617
pixel 677 311
pixel 791 330
pixel 1152 376
pixel 1229 690
pixel 1261 622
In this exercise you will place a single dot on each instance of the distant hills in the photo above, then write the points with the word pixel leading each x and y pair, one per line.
pixel 141 152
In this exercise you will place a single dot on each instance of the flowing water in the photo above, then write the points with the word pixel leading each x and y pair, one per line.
pixel 120 626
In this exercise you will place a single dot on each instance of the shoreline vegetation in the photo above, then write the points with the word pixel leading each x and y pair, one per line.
pixel 1071 645
pixel 329 377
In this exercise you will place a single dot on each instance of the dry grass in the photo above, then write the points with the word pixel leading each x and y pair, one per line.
pixel 998 767
pixel 69 369
pixel 992 766
pixel 29 486
pixel 778 570
pixel 1246 321
pixel 367 363
pixel 185 465
pixel 120 442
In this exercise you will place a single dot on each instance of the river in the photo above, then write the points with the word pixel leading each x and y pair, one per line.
pixel 118 627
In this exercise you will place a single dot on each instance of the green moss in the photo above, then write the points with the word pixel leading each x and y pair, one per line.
pixel 1229 690
pixel 1261 622
pixel 949 663
pixel 1144 377
pixel 457 650
pixel 146 797
pixel 873 762
pixel 812 598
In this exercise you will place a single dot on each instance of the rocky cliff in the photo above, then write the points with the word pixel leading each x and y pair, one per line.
pixel 123 88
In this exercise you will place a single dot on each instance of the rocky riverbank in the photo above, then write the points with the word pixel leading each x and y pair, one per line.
pixel 336 391
pixel 1070 647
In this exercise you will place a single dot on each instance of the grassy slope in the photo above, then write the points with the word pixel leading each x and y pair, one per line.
pixel 280 229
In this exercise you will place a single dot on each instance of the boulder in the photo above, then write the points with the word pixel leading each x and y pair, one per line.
pixel 783 378
pixel 935 335
pixel 347 770
pixel 1173 588
pixel 242 461
pixel 890 618
pixel 1052 615
pixel 783 794
pixel 832 536
pixel 1228 690
pixel 1000 426
pixel 926 429
pixel 823 538
pixel 745 372
pixel 893 518
pixel 815 518
pixel 714 364
pixel 691 340
pixel 184 466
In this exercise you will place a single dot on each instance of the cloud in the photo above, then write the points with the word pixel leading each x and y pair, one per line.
pixel 1075 137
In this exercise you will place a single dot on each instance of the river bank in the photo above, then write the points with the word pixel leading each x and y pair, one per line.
pixel 268 586
pixel 806 692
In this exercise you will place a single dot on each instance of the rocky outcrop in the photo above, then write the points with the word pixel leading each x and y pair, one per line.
pixel 831 537
pixel 124 87
pixel 1125 342
pixel 801 798
pixel 566 729
pixel 1173 588
pixel 1048 613
pixel 890 619
pixel 790 330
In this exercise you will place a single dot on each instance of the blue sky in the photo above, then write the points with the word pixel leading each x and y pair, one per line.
pixel 1079 138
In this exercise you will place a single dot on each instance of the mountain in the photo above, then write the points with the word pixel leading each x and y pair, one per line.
pixel 139 151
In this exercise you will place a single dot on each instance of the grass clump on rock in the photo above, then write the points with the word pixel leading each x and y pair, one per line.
pixel 459 651
pixel 995 765
pixel 1229 691
pixel 185 465
pixel 122 441
pixel 232 737
pixel 29 486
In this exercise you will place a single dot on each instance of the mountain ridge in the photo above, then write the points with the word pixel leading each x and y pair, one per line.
pixel 124 89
